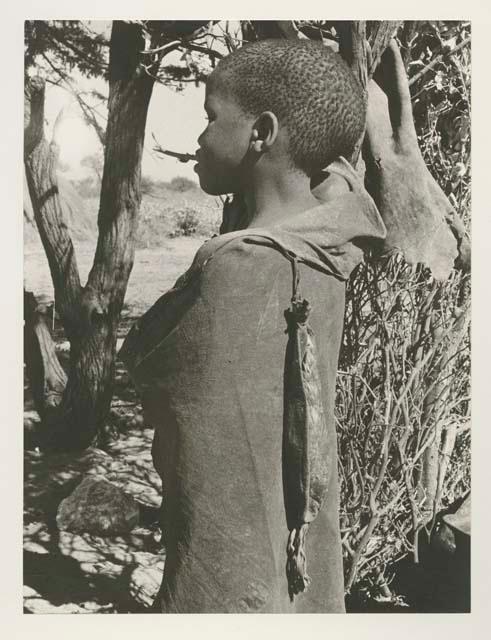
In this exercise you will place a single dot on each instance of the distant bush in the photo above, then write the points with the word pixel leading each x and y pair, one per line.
pixel 172 220
pixel 181 184
pixel 86 187
pixel 187 222
pixel 147 185
pixel 156 222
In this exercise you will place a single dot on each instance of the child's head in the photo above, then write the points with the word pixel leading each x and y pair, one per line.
pixel 309 88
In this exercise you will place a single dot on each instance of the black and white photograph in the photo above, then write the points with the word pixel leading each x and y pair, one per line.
pixel 246 316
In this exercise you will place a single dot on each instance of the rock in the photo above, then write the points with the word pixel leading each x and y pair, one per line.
pixel 98 507
pixel 145 583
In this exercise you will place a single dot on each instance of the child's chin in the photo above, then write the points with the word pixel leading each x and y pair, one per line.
pixel 212 190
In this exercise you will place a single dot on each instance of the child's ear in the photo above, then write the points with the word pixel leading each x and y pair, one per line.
pixel 264 132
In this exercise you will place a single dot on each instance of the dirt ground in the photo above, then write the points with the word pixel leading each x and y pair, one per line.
pixel 155 270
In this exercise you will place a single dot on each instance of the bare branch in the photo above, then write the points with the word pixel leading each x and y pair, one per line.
pixel 40 166
pixel 207 51
pixel 87 110
pixel 165 48
pixel 381 35
pixel 182 157
pixel 90 117
pixel 290 31
pixel 353 48
pixel 444 54
pixel 33 114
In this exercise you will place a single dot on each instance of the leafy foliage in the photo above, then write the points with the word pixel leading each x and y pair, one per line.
pixel 66 45
pixel 442 107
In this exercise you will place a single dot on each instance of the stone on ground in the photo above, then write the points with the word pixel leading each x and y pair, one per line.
pixel 98 507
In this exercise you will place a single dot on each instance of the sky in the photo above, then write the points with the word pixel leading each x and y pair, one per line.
pixel 175 118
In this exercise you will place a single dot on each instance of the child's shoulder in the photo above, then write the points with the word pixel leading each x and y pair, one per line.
pixel 235 247
pixel 237 259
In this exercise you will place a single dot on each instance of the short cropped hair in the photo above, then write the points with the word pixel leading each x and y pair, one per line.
pixel 308 87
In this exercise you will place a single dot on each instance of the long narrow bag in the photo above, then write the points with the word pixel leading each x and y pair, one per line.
pixel 305 439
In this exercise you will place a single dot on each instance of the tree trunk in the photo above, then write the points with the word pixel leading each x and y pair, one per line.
pixel 46 375
pixel 90 315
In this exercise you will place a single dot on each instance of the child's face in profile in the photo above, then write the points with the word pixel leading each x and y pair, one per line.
pixel 224 143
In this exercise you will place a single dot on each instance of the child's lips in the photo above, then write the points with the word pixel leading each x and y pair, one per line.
pixel 196 155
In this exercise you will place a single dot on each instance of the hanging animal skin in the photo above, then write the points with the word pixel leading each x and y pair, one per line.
pixel 420 220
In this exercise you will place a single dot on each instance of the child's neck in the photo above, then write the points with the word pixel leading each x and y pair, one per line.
pixel 272 196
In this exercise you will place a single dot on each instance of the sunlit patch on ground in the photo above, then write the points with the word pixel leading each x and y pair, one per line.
pixel 69 573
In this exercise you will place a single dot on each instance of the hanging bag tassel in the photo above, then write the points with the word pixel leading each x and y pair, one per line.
pixel 305 459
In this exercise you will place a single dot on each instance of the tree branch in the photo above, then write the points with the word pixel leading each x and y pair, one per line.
pixel 85 108
pixel 199 48
pixel 130 89
pixel 90 117
pixel 182 157
pixel 382 33
pixel 353 48
pixel 33 114
pixel 437 59
pixel 407 36
pixel 289 30
pixel 40 166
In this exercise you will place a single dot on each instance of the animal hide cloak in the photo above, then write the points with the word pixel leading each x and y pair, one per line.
pixel 236 365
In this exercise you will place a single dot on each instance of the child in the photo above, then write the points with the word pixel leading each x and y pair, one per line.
pixel 237 362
